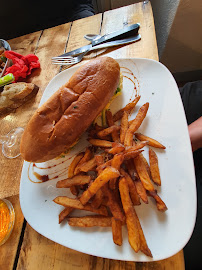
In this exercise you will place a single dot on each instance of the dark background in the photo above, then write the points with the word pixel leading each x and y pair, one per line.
pixel 22 17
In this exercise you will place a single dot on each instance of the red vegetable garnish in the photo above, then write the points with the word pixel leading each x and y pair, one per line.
pixel 22 65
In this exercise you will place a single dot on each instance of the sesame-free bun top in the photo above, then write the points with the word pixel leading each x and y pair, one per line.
pixel 62 119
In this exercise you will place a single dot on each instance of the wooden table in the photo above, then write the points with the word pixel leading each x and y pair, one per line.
pixel 26 249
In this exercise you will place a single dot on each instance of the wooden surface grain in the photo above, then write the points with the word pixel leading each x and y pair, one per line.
pixel 8 251
pixel 26 248
pixel 53 256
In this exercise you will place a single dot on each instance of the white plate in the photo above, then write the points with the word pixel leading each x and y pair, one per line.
pixel 166 233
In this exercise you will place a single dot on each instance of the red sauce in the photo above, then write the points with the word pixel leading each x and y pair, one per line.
pixel 133 79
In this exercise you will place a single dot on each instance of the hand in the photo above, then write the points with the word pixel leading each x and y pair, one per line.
pixel 195 133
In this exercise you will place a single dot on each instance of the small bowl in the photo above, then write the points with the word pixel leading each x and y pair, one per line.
pixel 11 220
pixel 5 45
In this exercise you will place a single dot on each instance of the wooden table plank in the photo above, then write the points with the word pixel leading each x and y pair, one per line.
pixel 44 44
pixel 142 13
pixel 53 256
pixel 8 249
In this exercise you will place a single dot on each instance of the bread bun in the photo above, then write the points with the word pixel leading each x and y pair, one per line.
pixel 62 119
pixel 16 94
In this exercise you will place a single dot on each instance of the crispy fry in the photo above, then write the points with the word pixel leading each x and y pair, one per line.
pixel 142 173
pixel 132 188
pixel 65 213
pixel 124 126
pixel 116 163
pixel 146 165
pixel 131 217
pixel 74 190
pixel 110 122
pixel 116 148
pixel 102 179
pixel 135 124
pixel 151 141
pixel 88 166
pixel 99 159
pixel 161 206
pixel 104 166
pixel 113 204
pixel 137 146
pixel 76 204
pixel 117 231
pixel 90 221
pixel 108 131
pixel 97 200
pixel 100 143
pixel 87 156
pixel 141 191
pixel 132 154
pixel 143 244
pixel 128 108
pixel 73 164
pixel 154 167
pixel 74 181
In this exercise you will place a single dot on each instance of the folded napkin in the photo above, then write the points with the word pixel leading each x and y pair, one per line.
pixel 22 65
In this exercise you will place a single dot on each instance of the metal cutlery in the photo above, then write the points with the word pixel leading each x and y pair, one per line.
pixel 123 33
pixel 71 60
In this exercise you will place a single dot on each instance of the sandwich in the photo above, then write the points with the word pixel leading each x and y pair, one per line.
pixel 67 114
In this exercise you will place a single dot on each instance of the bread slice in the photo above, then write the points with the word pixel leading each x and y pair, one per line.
pixel 16 94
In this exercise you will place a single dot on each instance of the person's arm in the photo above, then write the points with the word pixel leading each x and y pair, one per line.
pixel 195 133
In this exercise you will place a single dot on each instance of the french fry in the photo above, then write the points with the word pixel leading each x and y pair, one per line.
pixel 146 165
pixel 116 163
pixel 100 143
pixel 73 164
pixel 103 166
pixel 65 213
pixel 116 148
pixel 88 166
pixel 137 146
pixel 132 154
pixel 90 221
pixel 97 200
pixel 151 141
pixel 113 204
pixel 87 156
pixel 161 206
pixel 142 173
pixel 74 190
pixel 132 188
pixel 124 126
pixel 76 204
pixel 141 191
pixel 131 217
pixel 108 131
pixel 74 181
pixel 154 167
pixel 100 181
pixel 128 108
pixel 143 244
pixel 135 124
pixel 117 231
pixel 99 159
pixel 110 122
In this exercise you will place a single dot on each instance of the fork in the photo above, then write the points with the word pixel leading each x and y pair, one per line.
pixel 68 60
pixel 72 60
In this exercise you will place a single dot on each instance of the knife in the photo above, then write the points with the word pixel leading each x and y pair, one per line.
pixel 120 34
pixel 71 60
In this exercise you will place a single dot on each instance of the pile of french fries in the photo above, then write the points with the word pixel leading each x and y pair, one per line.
pixel 112 176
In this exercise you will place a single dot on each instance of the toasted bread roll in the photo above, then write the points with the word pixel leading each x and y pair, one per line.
pixel 62 119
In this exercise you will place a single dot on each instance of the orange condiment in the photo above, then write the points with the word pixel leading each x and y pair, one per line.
pixel 4 220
